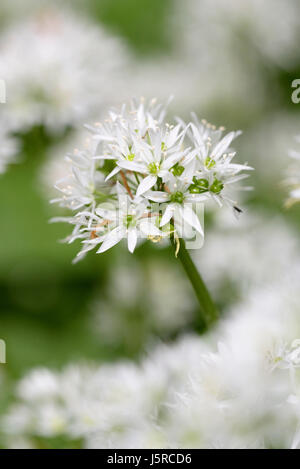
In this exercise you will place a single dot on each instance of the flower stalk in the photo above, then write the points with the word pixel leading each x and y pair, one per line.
pixel 209 312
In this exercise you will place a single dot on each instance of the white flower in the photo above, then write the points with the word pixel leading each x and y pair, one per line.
pixel 210 166
pixel 66 74
pixel 129 219
pixel 179 200
pixel 83 183
pixel 157 157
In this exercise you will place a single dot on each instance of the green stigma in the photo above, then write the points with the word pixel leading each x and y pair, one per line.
pixel 216 187
pixel 209 162
pixel 153 168
pixel 177 169
pixel 177 197
pixel 163 146
pixel 130 157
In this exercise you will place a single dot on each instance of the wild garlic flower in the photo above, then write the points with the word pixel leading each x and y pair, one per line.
pixel 141 177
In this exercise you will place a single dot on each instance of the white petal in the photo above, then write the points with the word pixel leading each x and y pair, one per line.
pixel 147 227
pixel 106 213
pixel 167 215
pixel 113 173
pixel 132 166
pixel 157 196
pixel 104 157
pixel 172 160
pixel 112 238
pixel 146 184
pixel 190 217
pixel 132 239
pixel 222 146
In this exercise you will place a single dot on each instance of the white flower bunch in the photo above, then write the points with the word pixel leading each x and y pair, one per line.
pixel 141 177
pixel 293 179
pixel 58 68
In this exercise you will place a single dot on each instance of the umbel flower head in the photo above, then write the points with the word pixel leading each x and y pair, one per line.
pixel 142 177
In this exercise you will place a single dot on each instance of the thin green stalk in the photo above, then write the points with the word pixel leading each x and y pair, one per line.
pixel 209 313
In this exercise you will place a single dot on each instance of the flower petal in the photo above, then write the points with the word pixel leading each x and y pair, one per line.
pixel 148 228
pixel 172 160
pixel 146 184
pixel 157 196
pixel 131 166
pixel 167 215
pixel 113 173
pixel 190 217
pixel 112 238
pixel 132 239
pixel 223 145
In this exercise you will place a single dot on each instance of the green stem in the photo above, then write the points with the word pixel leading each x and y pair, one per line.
pixel 209 313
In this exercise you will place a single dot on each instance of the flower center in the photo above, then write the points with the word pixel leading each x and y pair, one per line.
pixel 130 157
pixel 153 168
pixel 129 221
pixel 209 163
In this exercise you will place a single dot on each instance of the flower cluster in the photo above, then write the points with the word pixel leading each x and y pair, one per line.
pixel 141 177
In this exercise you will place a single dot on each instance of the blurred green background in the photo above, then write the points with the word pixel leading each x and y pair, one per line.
pixel 46 302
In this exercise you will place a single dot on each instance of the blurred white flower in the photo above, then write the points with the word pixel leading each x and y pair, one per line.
pixel 244 393
pixel 69 68
pixel 219 55
pixel 243 244
pixel 228 20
